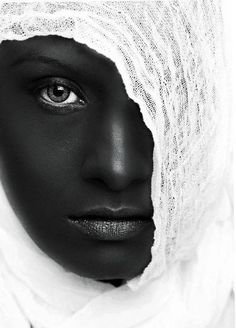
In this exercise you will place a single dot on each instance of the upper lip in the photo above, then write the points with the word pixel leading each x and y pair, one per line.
pixel 113 214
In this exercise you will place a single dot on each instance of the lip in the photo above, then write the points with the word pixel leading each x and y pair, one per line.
pixel 113 225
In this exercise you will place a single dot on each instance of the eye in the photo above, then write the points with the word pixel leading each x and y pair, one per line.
pixel 60 96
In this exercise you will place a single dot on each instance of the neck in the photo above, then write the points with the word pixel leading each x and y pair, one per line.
pixel 114 282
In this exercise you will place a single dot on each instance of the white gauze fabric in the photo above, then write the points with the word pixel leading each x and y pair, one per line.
pixel 170 57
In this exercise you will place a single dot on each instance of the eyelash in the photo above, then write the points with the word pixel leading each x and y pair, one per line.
pixel 64 108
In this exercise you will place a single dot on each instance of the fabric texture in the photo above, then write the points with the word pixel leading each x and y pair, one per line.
pixel 170 57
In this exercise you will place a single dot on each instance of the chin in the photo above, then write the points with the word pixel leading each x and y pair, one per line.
pixel 106 262
pixel 110 262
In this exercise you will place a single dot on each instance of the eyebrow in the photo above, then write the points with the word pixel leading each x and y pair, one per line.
pixel 31 57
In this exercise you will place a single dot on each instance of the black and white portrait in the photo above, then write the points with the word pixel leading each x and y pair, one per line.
pixel 115 165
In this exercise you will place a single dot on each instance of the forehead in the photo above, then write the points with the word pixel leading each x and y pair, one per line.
pixel 57 47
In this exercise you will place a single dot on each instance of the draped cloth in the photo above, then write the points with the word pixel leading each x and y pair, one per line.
pixel 170 56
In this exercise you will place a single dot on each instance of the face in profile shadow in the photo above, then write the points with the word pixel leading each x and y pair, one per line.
pixel 76 157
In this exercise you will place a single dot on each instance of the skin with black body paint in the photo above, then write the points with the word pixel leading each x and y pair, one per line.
pixel 73 142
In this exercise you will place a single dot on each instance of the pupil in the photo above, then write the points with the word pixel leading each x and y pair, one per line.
pixel 58 91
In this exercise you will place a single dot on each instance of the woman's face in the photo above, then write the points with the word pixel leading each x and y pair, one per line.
pixel 76 157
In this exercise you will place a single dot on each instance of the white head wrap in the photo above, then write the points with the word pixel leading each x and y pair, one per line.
pixel 169 54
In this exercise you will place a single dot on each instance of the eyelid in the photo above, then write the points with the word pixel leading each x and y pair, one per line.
pixel 62 109
pixel 50 81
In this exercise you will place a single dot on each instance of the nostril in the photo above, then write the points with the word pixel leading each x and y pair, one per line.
pixel 116 182
pixel 97 182
pixel 111 183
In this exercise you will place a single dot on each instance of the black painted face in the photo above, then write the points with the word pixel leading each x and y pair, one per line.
pixel 72 142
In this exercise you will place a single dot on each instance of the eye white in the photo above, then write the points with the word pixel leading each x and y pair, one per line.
pixel 72 98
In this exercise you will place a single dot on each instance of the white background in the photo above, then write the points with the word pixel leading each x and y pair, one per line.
pixel 229 16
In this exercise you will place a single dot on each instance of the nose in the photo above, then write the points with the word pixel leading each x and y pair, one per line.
pixel 120 152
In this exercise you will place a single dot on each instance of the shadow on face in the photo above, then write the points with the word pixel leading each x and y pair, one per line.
pixel 76 157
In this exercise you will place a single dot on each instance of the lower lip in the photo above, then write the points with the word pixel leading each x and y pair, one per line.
pixel 113 229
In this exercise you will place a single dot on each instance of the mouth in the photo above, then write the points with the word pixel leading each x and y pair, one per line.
pixel 105 224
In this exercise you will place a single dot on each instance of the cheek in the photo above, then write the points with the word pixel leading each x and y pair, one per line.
pixel 40 156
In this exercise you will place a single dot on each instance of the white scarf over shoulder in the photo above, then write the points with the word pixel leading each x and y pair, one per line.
pixel 170 57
